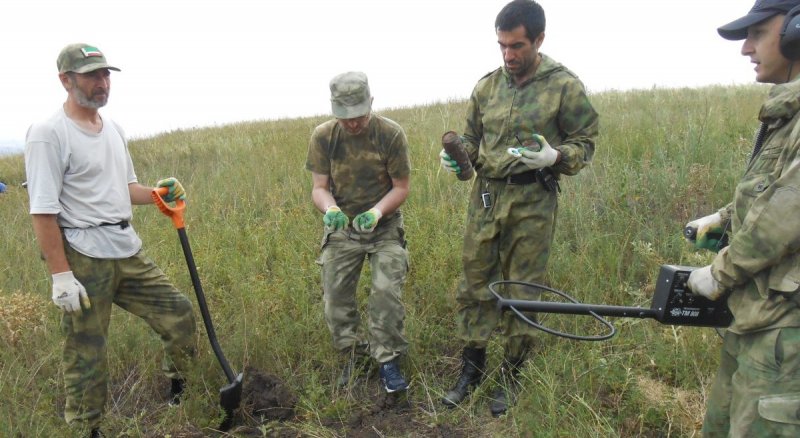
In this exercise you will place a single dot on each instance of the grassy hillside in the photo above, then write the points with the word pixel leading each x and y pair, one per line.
pixel 663 157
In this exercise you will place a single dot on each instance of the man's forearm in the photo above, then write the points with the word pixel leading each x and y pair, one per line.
pixel 48 234
pixel 140 195
pixel 392 200
pixel 322 198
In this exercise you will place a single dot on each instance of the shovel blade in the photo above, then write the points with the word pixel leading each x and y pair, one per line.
pixel 230 396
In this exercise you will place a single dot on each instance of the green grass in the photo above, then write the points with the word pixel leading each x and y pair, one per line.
pixel 663 157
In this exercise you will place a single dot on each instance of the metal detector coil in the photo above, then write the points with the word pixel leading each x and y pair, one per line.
pixel 673 303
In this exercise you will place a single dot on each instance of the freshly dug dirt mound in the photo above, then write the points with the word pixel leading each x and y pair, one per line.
pixel 390 415
pixel 265 395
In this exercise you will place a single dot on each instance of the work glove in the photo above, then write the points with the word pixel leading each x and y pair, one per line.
pixel 706 232
pixel 334 219
pixel 448 163
pixel 175 189
pixel 366 221
pixel 546 156
pixel 701 282
pixel 69 293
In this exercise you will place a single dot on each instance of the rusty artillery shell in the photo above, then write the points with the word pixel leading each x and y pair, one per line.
pixel 453 146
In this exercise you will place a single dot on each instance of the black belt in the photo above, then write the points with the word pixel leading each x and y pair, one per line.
pixel 523 178
pixel 546 176
pixel 121 224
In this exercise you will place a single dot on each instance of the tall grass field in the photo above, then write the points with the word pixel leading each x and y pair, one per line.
pixel 664 157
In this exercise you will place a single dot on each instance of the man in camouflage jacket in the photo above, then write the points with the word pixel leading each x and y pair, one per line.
pixel 535 101
pixel 757 389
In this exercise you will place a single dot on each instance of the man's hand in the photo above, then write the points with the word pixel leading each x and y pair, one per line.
pixel 448 163
pixel 706 232
pixel 701 282
pixel 69 293
pixel 334 219
pixel 546 156
pixel 175 189
pixel 366 222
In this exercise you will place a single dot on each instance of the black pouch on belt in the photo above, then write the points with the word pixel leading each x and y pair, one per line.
pixel 548 179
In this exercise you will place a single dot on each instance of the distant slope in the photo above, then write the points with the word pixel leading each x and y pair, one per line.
pixel 11 147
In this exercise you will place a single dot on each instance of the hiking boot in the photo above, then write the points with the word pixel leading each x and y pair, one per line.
pixel 473 363
pixel 505 394
pixel 391 377
pixel 176 391
pixel 354 368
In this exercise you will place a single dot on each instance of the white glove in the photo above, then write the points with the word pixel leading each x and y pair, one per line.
pixel 448 163
pixel 701 282
pixel 546 156
pixel 69 293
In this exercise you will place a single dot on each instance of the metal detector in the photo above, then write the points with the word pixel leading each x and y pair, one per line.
pixel 673 303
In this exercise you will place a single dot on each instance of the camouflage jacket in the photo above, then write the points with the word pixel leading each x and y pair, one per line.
pixel 553 104
pixel 360 167
pixel 761 266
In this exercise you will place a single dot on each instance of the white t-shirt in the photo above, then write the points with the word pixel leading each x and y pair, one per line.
pixel 83 178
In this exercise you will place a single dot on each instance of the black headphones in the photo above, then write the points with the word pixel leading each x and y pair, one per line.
pixel 790 35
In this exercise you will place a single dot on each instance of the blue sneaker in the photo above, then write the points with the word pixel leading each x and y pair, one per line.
pixel 391 378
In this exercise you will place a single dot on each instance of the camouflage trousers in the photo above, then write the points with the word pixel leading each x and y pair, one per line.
pixel 137 285
pixel 342 258
pixel 509 240
pixel 756 392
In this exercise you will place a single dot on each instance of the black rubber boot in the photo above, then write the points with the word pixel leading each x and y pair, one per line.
pixel 473 364
pixel 176 391
pixel 505 394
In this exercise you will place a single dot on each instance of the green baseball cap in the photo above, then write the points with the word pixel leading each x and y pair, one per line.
pixel 350 97
pixel 81 58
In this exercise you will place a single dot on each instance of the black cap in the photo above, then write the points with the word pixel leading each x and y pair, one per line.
pixel 762 10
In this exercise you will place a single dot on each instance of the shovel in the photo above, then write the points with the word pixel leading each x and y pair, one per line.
pixel 230 395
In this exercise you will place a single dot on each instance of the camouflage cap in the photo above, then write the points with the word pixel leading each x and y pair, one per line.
pixel 350 96
pixel 81 58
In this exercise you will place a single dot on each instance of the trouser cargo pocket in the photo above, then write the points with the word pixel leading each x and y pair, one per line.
pixel 780 408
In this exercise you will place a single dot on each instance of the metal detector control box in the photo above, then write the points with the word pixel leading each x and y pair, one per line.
pixel 675 304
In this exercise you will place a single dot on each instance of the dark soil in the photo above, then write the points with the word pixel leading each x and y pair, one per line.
pixel 392 415
pixel 265 396
pixel 268 402
pixel 387 415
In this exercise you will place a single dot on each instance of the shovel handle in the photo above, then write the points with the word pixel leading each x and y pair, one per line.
pixel 175 213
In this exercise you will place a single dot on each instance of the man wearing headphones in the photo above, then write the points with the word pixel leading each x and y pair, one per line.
pixel 757 388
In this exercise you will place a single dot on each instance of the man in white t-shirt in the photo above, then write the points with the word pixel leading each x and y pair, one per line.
pixel 81 185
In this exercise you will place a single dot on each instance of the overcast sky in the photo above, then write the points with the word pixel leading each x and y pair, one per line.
pixel 201 63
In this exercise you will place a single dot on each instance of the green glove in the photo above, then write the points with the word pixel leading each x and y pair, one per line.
pixel 334 219
pixel 366 221
pixel 448 163
pixel 175 189
pixel 707 233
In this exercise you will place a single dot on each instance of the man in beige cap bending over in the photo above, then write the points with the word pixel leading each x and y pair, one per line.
pixel 360 172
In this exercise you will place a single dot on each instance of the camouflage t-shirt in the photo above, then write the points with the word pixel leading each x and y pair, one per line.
pixel 360 167
pixel 553 104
